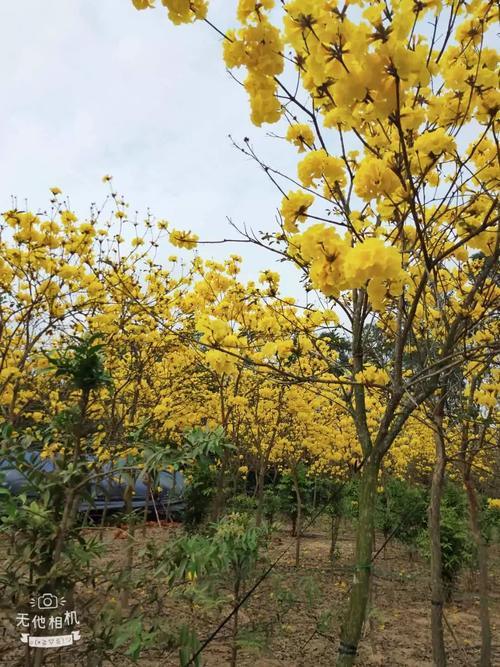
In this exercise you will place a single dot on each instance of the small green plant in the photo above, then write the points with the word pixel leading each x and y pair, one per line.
pixel 208 570
pixel 133 634
pixel 239 540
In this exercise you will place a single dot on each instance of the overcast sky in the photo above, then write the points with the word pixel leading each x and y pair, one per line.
pixel 91 87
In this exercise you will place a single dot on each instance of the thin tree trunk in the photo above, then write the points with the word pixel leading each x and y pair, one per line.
pixel 334 534
pixel 369 627
pixel 234 646
pixel 94 659
pixel 146 508
pixel 298 524
pixel 129 556
pixel 437 588
pixel 482 555
pixel 354 619
pixel 220 490
pixel 260 495
pixel 72 496
pixel 38 657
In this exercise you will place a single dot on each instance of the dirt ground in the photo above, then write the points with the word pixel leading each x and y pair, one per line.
pixel 286 609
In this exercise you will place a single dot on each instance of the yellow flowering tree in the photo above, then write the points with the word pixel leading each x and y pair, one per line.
pixel 397 124
pixel 255 346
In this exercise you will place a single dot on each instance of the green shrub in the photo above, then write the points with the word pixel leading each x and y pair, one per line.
pixel 490 521
pixel 350 498
pixel 457 546
pixel 272 504
pixel 206 447
pixel 402 508
pixel 241 504
pixel 199 492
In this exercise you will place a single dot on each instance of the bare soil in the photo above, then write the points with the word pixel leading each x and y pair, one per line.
pixel 296 612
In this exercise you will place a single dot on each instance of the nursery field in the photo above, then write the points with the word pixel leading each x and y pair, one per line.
pixel 292 619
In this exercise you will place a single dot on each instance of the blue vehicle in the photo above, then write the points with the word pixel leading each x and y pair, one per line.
pixel 106 492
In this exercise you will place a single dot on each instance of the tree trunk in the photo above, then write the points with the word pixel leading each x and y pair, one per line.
pixel 72 495
pixel 234 646
pixel 38 657
pixel 260 495
pixel 220 489
pixel 149 494
pixel 437 588
pixel 334 534
pixel 482 555
pixel 355 616
pixel 129 554
pixel 298 524
pixel 94 659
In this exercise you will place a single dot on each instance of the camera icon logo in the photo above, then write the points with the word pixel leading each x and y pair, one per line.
pixel 47 601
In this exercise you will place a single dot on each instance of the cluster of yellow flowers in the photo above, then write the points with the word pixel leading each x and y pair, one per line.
pixel 335 265
pixel 378 265
pixel 375 179
pixel 182 239
pixel 258 47
pixel 301 135
pixel 324 251
pixel 220 362
pixel 486 392
pixel 294 209
pixel 316 165
pixel 372 376
pixel 179 11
